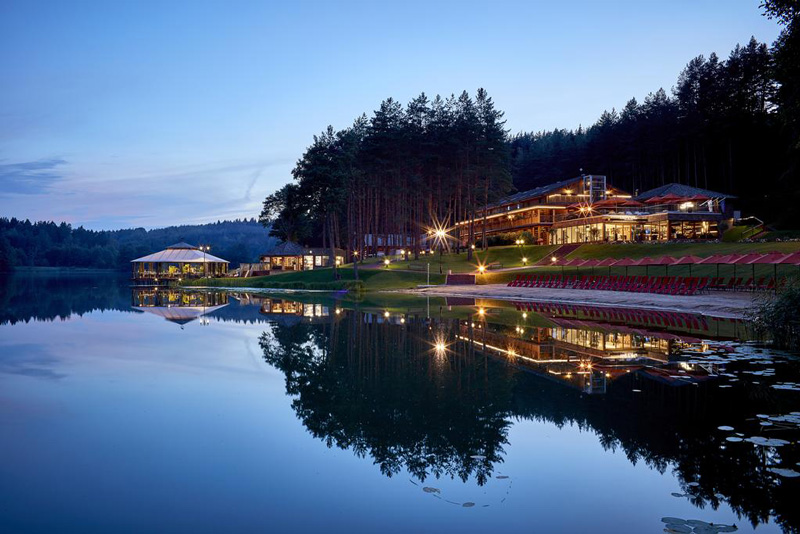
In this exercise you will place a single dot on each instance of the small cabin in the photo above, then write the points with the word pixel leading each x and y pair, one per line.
pixel 289 256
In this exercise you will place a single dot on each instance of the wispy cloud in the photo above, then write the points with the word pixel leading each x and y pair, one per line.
pixel 30 177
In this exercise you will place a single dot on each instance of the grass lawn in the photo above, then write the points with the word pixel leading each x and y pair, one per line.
pixel 399 274
pixel 508 256
pixel 374 279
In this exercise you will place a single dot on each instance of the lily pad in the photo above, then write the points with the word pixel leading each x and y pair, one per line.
pixel 673 520
pixel 468 504
pixel 725 428
pixel 428 489
pixel 788 473
pixel 734 439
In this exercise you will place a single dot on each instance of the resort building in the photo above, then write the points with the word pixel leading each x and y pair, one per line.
pixel 536 210
pixel 290 256
pixel 672 211
pixel 177 261
pixel 587 209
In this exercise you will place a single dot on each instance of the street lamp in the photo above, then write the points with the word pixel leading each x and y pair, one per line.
pixel 386 262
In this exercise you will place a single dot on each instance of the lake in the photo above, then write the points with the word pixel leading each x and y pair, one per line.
pixel 139 410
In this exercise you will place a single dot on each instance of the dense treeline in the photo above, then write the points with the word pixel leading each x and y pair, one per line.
pixel 391 176
pixel 47 244
pixel 725 126
pixel 731 125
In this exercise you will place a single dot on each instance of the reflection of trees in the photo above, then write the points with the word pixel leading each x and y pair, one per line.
pixel 675 428
pixel 379 390
pixel 42 297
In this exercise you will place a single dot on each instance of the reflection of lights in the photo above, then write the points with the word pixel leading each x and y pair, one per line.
pixel 608 375
pixel 511 352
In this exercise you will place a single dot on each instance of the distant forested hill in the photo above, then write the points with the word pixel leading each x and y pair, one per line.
pixel 48 244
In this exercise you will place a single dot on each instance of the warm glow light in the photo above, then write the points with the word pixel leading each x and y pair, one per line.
pixel 472 247
pixel 386 262
pixel 402 320
pixel 338 311
pixel 355 253
pixel 524 315
pixel 481 311
pixel 402 252
pixel 386 314
pixel 481 268
pixel 511 352
pixel 524 260
pixel 554 259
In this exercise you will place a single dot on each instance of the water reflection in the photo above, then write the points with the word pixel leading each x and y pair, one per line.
pixel 176 305
pixel 436 396
pixel 434 387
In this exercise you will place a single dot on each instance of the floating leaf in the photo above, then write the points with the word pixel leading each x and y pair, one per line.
pixel 674 494
pixel 734 439
pixel 468 504
pixel 788 473
pixel 428 489
pixel 725 428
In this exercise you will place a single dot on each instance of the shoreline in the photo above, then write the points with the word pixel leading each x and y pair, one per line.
pixel 718 304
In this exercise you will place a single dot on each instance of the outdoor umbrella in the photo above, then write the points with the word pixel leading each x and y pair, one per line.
pixel 714 259
pixel 700 199
pixel 791 259
pixel 666 261
pixel 746 259
pixel 773 258
pixel 688 260
pixel 590 263
pixel 653 200
pixel 671 199
pixel 646 261
pixel 625 262
pixel 608 262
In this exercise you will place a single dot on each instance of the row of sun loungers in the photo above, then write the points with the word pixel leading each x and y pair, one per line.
pixel 669 285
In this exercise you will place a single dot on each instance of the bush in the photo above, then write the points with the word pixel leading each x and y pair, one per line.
pixel 776 316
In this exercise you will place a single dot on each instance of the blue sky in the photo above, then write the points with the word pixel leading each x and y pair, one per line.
pixel 134 113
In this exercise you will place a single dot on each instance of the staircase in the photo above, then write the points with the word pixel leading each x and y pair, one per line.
pixel 560 253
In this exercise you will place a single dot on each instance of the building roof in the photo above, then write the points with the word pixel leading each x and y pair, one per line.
pixel 289 248
pixel 179 314
pixel 534 193
pixel 680 190
pixel 182 244
pixel 174 254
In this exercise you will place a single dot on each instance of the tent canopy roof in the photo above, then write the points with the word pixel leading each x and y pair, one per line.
pixel 174 254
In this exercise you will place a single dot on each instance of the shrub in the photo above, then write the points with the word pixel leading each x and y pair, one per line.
pixel 776 316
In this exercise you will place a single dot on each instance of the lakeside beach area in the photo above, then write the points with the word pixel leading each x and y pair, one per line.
pixel 720 303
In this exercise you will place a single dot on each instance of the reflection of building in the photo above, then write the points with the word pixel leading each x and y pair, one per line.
pixel 290 256
pixel 581 354
pixel 180 260
pixel 289 312
pixel 177 306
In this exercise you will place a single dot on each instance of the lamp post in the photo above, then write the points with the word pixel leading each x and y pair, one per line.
pixel 205 248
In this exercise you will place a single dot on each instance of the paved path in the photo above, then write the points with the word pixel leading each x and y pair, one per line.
pixel 717 303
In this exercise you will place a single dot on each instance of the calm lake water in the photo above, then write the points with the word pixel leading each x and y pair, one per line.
pixel 128 410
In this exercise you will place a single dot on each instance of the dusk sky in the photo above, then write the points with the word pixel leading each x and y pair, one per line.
pixel 118 114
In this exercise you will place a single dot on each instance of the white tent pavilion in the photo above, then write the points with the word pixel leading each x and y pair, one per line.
pixel 180 260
